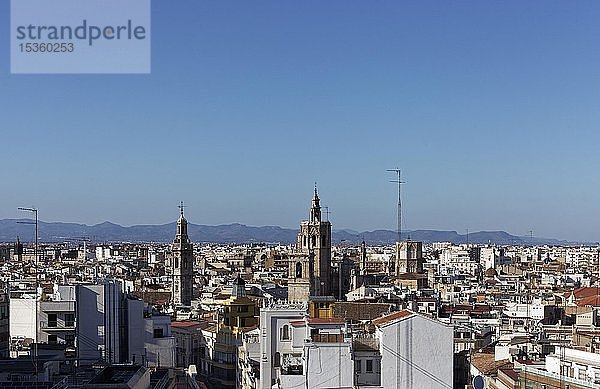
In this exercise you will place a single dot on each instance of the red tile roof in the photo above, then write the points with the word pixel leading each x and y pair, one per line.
pixel 584 292
pixel 331 320
pixel 393 316
pixel 591 301
pixel 510 372
pixel 486 363
pixel 353 311
pixel 188 324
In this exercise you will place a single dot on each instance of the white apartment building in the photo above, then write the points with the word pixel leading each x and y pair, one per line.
pixel 416 351
pixel 112 326
pixel 296 351
pixel 100 321
pixel 580 365
pixel 457 260
pixel 406 350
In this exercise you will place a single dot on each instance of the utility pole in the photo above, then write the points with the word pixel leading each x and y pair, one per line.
pixel 399 182
pixel 35 344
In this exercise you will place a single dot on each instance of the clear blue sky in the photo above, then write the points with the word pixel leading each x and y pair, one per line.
pixel 490 108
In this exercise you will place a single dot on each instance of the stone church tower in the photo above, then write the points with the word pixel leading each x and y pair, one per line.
pixel 409 257
pixel 301 277
pixel 310 272
pixel 183 264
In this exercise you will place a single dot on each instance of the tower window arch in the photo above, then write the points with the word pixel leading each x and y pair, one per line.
pixel 277 360
pixel 314 240
pixel 298 270
pixel 285 332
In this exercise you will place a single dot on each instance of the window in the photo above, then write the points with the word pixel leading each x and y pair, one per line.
pixel 69 320
pixel 285 332
pixel 369 368
pixel 358 366
pixel 70 339
pixel 314 240
pixel 298 270
pixel 52 339
pixel 243 308
pixel 52 320
pixel 277 360
pixel 158 332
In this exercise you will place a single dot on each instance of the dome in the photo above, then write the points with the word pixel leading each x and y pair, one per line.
pixel 491 272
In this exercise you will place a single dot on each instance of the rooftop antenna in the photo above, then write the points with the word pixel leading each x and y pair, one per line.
pixel 181 207
pixel 531 237
pixel 399 182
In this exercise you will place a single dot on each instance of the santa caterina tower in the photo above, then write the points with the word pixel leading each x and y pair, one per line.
pixel 183 264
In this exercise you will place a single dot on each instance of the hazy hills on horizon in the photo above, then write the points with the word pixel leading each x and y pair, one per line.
pixel 239 233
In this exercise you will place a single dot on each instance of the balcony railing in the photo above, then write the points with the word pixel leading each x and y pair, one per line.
pixel 57 325
pixel 327 338
pixel 559 378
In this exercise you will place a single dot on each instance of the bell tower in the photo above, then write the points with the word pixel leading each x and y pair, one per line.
pixel 314 243
pixel 183 264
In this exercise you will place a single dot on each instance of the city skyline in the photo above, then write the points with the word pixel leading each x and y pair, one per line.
pixel 490 111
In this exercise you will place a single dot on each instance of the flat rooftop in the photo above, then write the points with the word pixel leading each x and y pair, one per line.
pixel 115 375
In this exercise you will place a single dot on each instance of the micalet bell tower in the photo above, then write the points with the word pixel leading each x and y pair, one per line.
pixel 312 270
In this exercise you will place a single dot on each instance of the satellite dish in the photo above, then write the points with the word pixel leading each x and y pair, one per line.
pixel 478 382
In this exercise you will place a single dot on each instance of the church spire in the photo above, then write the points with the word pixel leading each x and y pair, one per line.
pixel 315 210
pixel 182 235
pixel 181 207
pixel 183 264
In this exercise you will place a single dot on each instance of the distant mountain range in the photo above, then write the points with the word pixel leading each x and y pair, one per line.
pixel 240 233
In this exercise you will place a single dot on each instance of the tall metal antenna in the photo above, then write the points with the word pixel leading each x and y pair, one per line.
pixel 531 237
pixel 399 182
pixel 181 207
